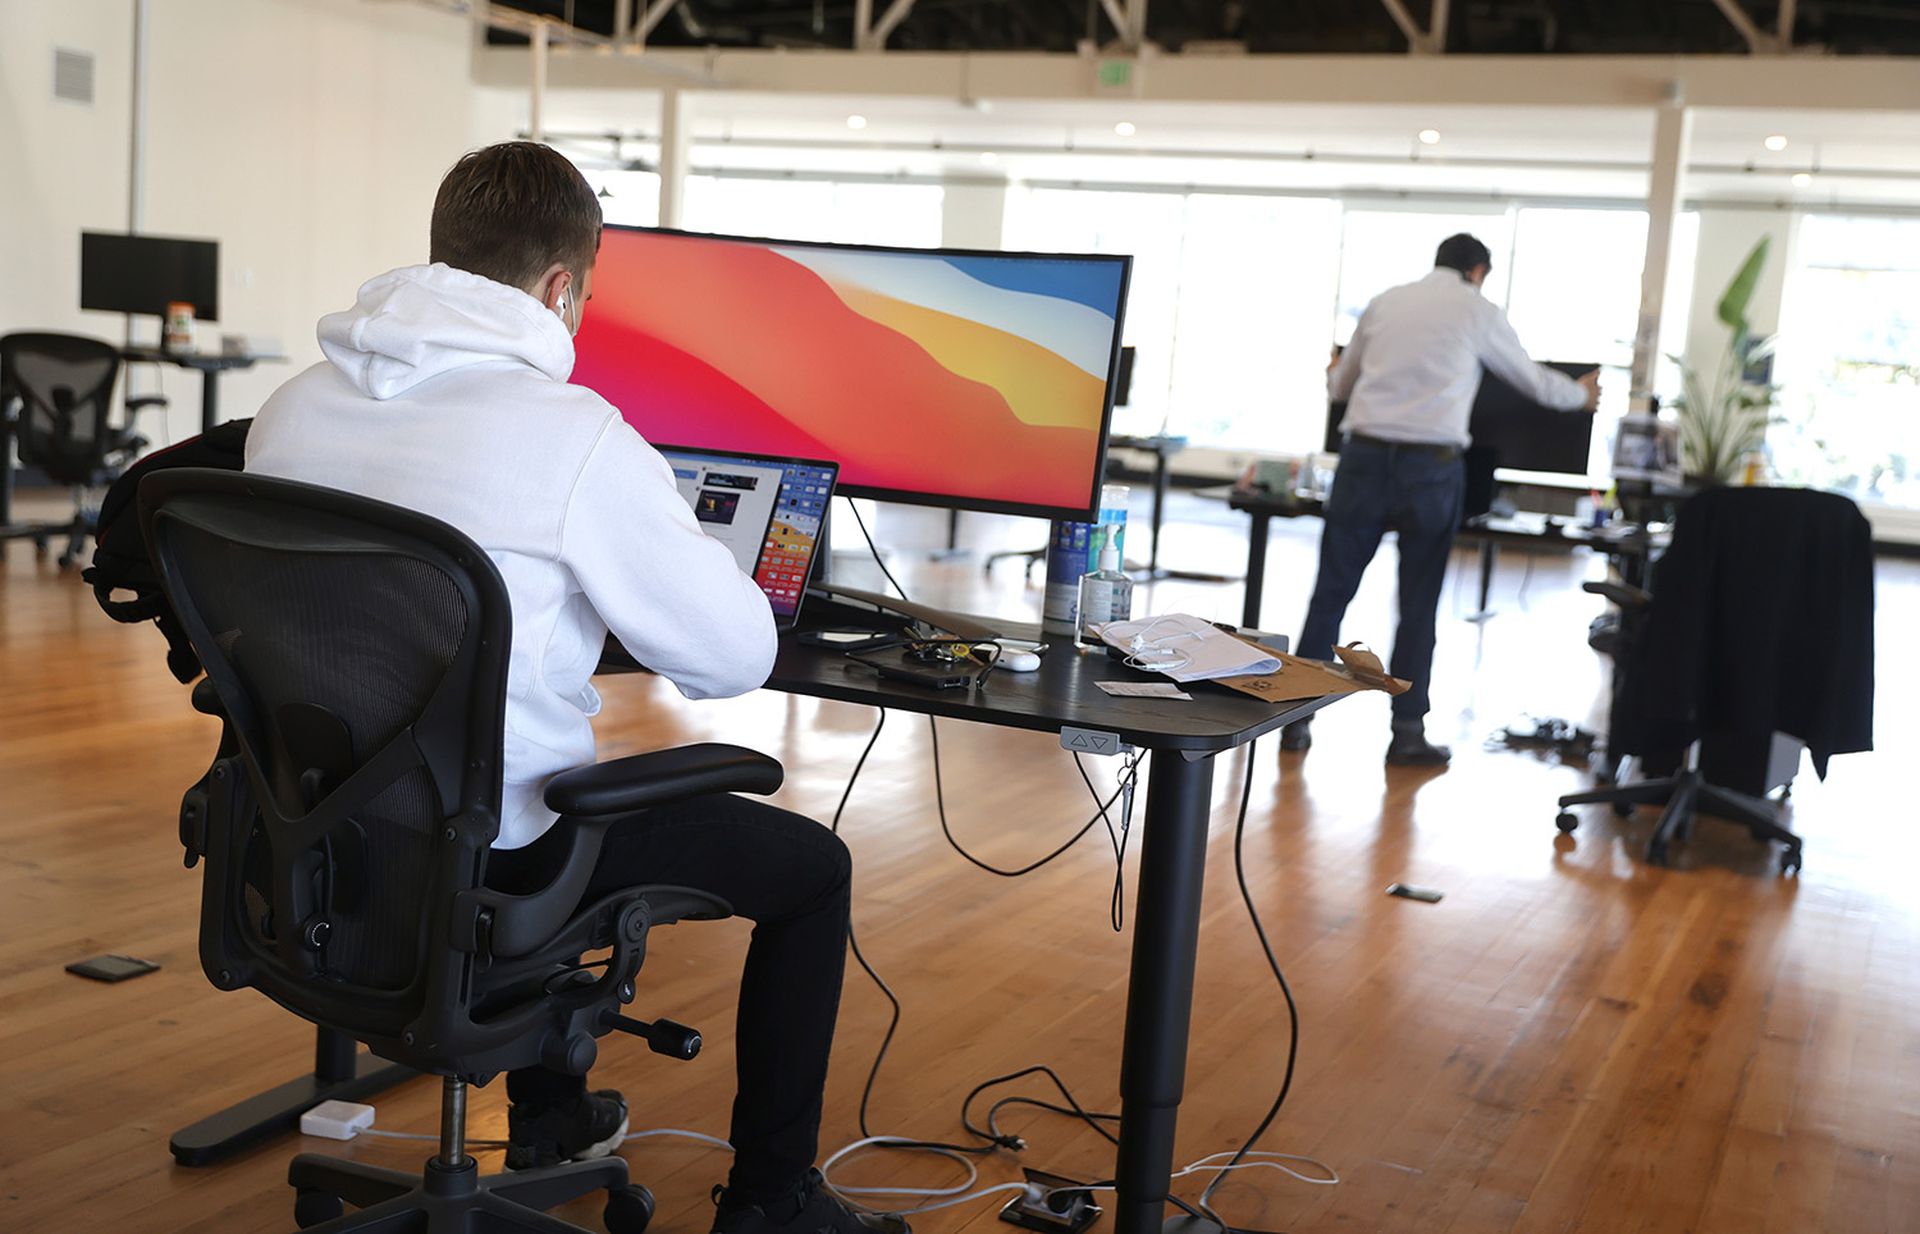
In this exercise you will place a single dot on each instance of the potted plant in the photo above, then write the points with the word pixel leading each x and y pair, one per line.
pixel 1724 420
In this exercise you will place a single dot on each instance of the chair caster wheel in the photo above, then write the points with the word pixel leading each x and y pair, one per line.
pixel 628 1210
pixel 1790 861
pixel 1566 822
pixel 313 1207
pixel 1622 809
pixel 1657 856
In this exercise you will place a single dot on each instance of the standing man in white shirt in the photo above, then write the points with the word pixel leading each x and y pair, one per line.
pixel 1409 378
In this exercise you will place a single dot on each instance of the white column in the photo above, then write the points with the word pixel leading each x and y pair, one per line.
pixel 973 214
pixel 536 126
pixel 136 146
pixel 1672 128
pixel 676 143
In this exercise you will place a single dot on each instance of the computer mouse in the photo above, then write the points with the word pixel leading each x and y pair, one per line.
pixel 1017 661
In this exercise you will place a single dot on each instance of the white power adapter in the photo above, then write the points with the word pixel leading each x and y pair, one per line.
pixel 336 1120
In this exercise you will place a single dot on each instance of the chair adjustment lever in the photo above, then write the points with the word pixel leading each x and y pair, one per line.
pixel 662 1036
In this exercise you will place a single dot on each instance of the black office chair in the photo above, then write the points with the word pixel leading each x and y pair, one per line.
pixel 56 392
pixel 1759 616
pixel 357 653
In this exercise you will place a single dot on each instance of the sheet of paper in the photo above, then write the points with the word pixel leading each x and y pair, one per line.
pixel 1187 648
pixel 1143 689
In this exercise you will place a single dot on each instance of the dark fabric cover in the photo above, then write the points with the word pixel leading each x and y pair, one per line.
pixel 1762 621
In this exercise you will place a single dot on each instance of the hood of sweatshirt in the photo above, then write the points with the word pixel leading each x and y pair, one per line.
pixel 414 324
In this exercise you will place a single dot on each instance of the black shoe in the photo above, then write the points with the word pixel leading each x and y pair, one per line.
pixel 811 1210
pixel 591 1125
pixel 1410 748
pixel 1297 735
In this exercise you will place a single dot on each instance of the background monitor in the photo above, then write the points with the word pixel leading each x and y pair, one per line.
pixel 143 274
pixel 1521 434
pixel 961 379
pixel 1123 378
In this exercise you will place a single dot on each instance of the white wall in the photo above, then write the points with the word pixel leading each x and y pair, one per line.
pixel 307 136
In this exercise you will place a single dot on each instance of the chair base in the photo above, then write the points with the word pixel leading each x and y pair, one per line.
pixel 458 1200
pixel 1686 795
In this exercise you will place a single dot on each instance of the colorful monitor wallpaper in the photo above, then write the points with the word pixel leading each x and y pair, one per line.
pixel 971 379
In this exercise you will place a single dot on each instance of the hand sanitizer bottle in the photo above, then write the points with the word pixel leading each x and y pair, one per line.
pixel 1106 594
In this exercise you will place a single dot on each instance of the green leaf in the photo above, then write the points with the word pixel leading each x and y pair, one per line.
pixel 1739 293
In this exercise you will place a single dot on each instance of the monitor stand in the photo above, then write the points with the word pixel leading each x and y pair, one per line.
pixel 829 603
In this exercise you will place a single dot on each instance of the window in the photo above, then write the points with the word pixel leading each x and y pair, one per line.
pixel 906 215
pixel 1227 307
pixel 1575 296
pixel 1848 360
pixel 1382 248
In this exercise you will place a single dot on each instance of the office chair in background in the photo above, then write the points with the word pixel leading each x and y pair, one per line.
pixel 357 653
pixel 56 391
pixel 1760 620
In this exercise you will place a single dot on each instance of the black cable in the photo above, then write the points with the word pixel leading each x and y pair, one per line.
pixel 940 802
pixel 874 549
pixel 1129 774
pixel 1073 1106
pixel 1293 1009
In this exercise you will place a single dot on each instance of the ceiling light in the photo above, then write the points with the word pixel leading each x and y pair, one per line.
pixel 856 122
pixel 1125 128
pixel 989 157
pixel 1776 143
pixel 1429 137
pixel 1801 179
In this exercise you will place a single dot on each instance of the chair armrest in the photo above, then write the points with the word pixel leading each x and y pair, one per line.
pixel 642 781
pixel 1619 593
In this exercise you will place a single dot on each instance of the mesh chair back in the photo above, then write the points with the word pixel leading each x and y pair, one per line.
pixel 64 383
pixel 359 651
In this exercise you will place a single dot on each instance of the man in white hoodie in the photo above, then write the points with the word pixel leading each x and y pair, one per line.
pixel 444 389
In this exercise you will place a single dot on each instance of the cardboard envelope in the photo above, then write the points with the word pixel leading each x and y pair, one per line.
pixel 1358 669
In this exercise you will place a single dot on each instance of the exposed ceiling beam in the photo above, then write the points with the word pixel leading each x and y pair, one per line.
pixel 1420 42
pixel 890 21
pixel 1758 41
pixel 655 14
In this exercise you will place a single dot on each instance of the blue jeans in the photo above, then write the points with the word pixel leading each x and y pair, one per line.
pixel 1416 493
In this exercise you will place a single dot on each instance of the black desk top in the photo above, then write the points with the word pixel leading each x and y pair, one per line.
pixel 1059 694
pixel 1266 501
pixel 205 361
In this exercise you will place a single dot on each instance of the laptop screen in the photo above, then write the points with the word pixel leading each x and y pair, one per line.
pixel 766 510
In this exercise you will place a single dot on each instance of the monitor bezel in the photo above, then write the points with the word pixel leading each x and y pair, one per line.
pixel 947 501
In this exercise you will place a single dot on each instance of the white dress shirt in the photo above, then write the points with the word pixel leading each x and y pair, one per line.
pixel 1413 367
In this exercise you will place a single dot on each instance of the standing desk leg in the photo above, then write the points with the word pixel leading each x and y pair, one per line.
pixel 209 399
pixel 1256 570
pixel 1160 469
pixel 1166 937
pixel 1489 555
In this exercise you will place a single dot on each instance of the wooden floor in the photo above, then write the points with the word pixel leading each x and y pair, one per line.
pixel 1570 1041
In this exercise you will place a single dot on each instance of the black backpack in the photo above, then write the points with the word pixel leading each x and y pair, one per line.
pixel 120 561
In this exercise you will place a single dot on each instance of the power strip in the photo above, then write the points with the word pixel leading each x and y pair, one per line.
pixel 336 1120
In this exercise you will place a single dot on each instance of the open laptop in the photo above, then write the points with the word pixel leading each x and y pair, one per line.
pixel 768 510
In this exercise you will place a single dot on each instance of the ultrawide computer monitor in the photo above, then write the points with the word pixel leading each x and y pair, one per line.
pixel 976 380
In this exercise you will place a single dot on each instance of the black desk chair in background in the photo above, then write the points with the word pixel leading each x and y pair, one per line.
pixel 56 394
pixel 357 653
pixel 1760 620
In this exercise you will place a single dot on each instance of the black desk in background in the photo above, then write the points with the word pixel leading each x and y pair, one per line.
pixel 1630 545
pixel 1183 738
pixel 209 364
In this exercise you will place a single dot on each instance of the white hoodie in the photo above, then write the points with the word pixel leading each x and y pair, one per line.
pixel 447 393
